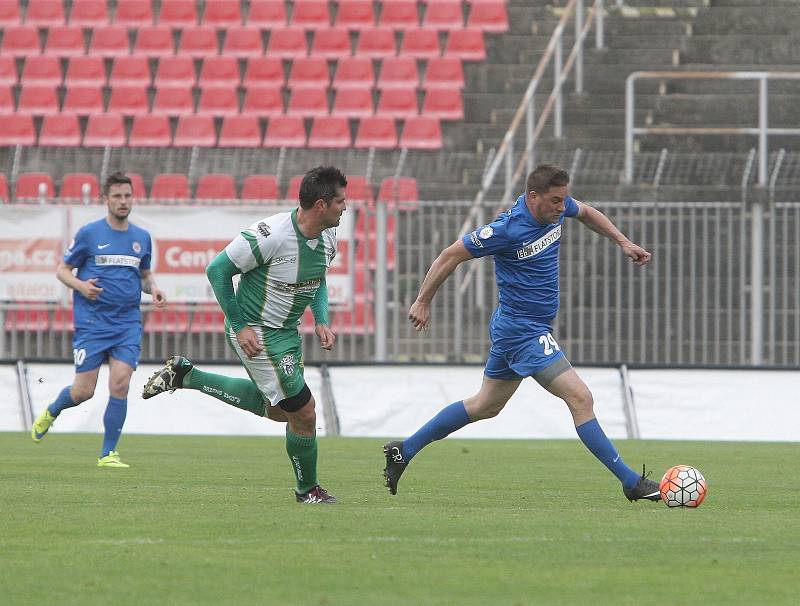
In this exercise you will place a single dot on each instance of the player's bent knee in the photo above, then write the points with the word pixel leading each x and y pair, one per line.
pixel 79 396
pixel 297 401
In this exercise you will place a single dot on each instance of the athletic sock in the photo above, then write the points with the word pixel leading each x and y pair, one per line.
pixel 63 401
pixel 241 393
pixel 591 434
pixel 113 420
pixel 302 451
pixel 451 418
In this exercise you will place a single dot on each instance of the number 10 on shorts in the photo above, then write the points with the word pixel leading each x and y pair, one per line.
pixel 549 344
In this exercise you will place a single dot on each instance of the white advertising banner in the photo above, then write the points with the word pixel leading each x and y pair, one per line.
pixel 185 240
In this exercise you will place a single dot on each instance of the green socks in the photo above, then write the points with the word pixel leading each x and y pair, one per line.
pixel 302 453
pixel 241 393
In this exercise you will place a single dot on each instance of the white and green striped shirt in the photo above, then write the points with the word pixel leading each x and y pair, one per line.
pixel 281 269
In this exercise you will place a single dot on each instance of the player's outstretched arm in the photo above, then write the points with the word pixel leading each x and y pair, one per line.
pixel 88 288
pixel 444 265
pixel 598 222
pixel 149 287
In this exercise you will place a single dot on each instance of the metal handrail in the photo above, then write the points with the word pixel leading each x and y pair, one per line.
pixel 762 130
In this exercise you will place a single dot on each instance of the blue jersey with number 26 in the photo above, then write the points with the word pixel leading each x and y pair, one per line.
pixel 116 259
pixel 525 260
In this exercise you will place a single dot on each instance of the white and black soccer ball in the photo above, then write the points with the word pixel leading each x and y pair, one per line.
pixel 683 486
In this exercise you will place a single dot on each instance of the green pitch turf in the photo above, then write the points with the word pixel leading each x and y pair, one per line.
pixel 204 520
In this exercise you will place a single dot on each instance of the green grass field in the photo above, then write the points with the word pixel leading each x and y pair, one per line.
pixel 204 520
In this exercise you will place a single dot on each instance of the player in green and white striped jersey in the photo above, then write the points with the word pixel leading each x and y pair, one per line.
pixel 282 261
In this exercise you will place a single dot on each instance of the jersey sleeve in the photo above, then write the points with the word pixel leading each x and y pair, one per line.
pixel 147 257
pixel 78 250
pixel 571 207
pixel 252 247
pixel 487 240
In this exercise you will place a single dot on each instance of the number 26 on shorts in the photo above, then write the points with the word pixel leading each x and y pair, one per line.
pixel 549 344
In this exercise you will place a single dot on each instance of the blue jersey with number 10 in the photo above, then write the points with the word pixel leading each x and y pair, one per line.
pixel 116 259
pixel 525 260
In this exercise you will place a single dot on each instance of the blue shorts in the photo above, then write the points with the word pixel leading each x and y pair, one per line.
pixel 91 349
pixel 520 348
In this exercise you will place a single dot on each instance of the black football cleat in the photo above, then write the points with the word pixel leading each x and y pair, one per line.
pixel 395 465
pixel 645 489
pixel 317 495
pixel 169 378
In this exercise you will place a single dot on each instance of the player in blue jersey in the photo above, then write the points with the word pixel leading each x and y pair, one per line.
pixel 524 241
pixel 112 258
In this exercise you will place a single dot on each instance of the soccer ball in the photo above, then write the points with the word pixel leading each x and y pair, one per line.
pixel 683 486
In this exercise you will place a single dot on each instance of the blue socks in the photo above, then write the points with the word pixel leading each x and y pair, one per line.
pixel 591 434
pixel 63 400
pixel 449 419
pixel 113 421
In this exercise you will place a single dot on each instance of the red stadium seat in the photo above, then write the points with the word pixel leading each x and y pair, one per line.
pixel 16 130
pixel 20 41
pixel 355 14
pixel 293 189
pixel 170 186
pixel 216 187
pixel 443 72
pixel 83 100
pixel 359 320
pixel 178 13
pixel 330 132
pixel 401 191
pixel 62 320
pixel 222 13
pixel 420 43
pixel 6 100
pixel 353 103
pixel 309 72
pixel 267 14
pixel 331 43
pixel 8 71
pixel 443 15
pixel 219 71
pixel 287 43
pixel 354 72
pixel 466 44
pixel 376 43
pixel 9 13
pixel 443 103
pixel 195 131
pixel 399 14
pixel 218 101
pixel 260 187
pixel 491 16
pixel 72 186
pixel 85 71
pixel 104 130
pixel 27 320
pixel 175 70
pixel 88 13
pixel 285 131
pixel 264 71
pixel 173 101
pixel 138 185
pixel 154 41
pixel 4 197
pixel 128 100
pixel 421 132
pixel 150 131
pixel 37 100
pixel 263 101
pixel 65 41
pixel 243 42
pixel 60 130
pixel 44 13
pixel 240 131
pixel 359 190
pixel 28 185
pixel 376 131
pixel 167 321
pixel 130 71
pixel 308 102
pixel 310 14
pixel 109 41
pixel 134 13
pixel 41 70
pixel 398 72
pixel 206 320
pixel 198 41
pixel 398 103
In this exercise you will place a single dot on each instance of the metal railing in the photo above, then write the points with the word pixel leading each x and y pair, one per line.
pixel 762 131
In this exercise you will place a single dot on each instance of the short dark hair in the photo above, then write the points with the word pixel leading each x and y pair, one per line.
pixel 320 183
pixel 117 178
pixel 544 177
